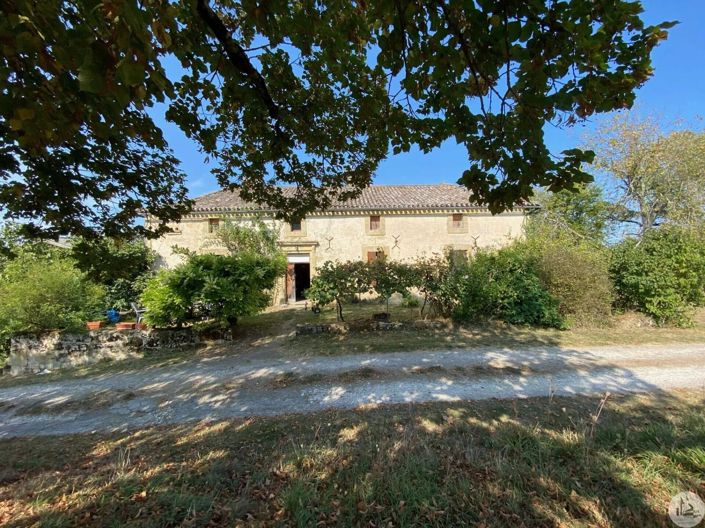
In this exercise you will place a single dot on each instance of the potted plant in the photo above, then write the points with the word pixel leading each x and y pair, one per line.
pixel 94 325
pixel 96 320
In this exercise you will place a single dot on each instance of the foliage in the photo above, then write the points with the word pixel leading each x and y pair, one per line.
pixel 428 275
pixel 123 292
pixel 166 306
pixel 216 286
pixel 308 94
pixel 107 260
pixel 582 212
pixel 388 277
pixel 13 243
pixel 657 174
pixel 76 141
pixel 502 285
pixel 576 274
pixel 663 275
pixel 246 237
pixel 338 282
pixel 45 294
pixel 122 266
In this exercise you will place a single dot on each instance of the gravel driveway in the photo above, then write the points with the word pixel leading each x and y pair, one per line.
pixel 231 386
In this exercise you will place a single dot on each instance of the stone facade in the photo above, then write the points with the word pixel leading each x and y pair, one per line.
pixel 412 227
pixel 58 350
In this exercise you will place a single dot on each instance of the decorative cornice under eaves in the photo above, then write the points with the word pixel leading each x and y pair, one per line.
pixel 479 211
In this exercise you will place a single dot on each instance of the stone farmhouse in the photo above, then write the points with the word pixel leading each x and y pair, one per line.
pixel 401 222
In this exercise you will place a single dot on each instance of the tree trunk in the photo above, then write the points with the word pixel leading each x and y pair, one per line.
pixel 339 308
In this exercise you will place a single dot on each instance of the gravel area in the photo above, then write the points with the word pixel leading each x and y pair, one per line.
pixel 230 386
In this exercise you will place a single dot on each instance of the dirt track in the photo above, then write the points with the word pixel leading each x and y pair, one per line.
pixel 230 386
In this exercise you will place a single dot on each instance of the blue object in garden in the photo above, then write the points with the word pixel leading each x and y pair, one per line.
pixel 113 315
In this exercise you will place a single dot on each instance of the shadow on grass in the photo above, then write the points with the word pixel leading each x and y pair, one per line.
pixel 532 462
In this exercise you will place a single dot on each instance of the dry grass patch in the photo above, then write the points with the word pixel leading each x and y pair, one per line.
pixel 534 462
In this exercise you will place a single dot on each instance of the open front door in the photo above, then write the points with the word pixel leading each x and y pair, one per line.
pixel 290 283
pixel 298 276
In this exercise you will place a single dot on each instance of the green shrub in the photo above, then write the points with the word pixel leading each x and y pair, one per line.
pixel 46 293
pixel 500 285
pixel 122 266
pixel 220 287
pixel 576 274
pixel 165 306
pixel 662 275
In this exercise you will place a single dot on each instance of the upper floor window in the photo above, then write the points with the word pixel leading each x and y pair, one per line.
pixel 375 223
pixel 457 221
pixel 295 226
pixel 213 224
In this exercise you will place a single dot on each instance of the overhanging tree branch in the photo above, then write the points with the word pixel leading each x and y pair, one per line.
pixel 239 59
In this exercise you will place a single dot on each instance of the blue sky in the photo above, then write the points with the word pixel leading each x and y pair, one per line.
pixel 677 90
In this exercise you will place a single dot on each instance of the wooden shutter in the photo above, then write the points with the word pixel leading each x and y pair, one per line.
pixel 375 223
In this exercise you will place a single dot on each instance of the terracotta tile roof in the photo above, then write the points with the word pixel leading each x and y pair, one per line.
pixel 442 196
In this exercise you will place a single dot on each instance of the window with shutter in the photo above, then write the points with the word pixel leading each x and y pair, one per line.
pixel 375 223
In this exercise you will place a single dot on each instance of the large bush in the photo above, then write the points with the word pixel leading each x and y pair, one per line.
pixel 575 271
pixel 214 286
pixel 662 275
pixel 122 266
pixel 502 285
pixel 46 293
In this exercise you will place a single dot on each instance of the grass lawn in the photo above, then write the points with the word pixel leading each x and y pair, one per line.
pixel 624 330
pixel 535 462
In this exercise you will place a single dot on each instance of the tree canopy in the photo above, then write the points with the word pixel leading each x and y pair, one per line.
pixel 655 172
pixel 582 212
pixel 308 93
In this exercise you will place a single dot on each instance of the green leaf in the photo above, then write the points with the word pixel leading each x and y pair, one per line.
pixel 131 73
pixel 90 80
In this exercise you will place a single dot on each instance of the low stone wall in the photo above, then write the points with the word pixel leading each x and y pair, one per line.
pixel 364 326
pixel 57 350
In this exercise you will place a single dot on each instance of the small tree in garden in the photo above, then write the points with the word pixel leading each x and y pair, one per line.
pixel 387 278
pixel 338 282
pixel 428 276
